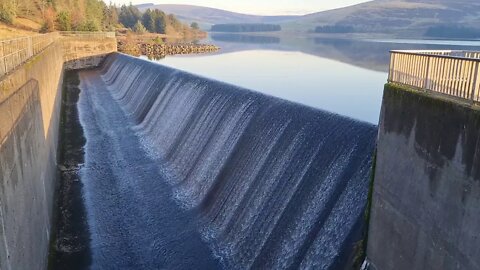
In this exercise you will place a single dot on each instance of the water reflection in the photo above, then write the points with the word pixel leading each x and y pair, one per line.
pixel 340 75
pixel 372 54
pixel 253 39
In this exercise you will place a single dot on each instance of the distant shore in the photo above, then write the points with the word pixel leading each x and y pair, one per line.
pixel 159 46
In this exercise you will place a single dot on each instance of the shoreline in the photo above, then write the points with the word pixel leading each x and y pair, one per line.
pixel 158 49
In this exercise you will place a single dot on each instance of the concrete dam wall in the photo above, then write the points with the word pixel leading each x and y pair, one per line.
pixel 29 122
pixel 30 103
pixel 425 212
pixel 176 161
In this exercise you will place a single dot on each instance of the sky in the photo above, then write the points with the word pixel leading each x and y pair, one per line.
pixel 258 7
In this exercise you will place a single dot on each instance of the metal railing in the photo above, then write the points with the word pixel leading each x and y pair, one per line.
pixel 454 73
pixel 88 34
pixel 14 52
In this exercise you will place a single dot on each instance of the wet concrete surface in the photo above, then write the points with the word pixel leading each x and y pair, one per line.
pixel 70 238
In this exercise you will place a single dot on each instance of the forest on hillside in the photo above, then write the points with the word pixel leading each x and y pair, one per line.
pixel 333 29
pixel 247 27
pixel 452 31
pixel 90 15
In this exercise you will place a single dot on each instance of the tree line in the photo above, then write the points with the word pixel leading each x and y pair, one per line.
pixel 452 31
pixel 337 29
pixel 64 15
pixel 251 39
pixel 154 21
pixel 240 27
pixel 90 15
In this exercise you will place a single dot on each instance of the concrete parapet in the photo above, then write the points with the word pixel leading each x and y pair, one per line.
pixel 425 212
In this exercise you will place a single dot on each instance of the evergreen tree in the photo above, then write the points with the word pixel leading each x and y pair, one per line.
pixel 148 20
pixel 195 26
pixel 129 15
pixel 160 21
pixel 139 28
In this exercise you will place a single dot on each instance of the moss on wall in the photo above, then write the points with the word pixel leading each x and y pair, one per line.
pixel 458 123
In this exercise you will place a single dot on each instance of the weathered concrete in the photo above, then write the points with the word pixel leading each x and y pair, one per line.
pixel 425 211
pixel 29 123
pixel 29 117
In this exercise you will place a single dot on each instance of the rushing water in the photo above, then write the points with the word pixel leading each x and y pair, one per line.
pixel 338 75
pixel 182 171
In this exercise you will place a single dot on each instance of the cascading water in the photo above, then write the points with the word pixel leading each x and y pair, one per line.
pixel 277 185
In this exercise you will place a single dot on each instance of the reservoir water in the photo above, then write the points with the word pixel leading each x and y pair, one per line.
pixel 343 76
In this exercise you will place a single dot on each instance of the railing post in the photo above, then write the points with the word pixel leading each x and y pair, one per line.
pixel 426 83
pixel 4 58
pixel 392 67
pixel 30 47
pixel 475 82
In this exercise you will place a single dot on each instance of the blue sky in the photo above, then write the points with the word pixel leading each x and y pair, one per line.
pixel 261 7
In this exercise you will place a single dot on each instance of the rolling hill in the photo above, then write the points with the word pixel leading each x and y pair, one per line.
pixel 206 16
pixel 410 18
pixel 407 17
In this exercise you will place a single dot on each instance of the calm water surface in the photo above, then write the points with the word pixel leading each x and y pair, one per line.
pixel 343 76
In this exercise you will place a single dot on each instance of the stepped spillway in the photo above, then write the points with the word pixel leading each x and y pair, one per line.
pixel 181 170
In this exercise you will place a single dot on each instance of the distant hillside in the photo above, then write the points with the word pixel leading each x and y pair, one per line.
pixel 207 17
pixel 405 17
pixel 145 6
pixel 246 27
pixel 402 18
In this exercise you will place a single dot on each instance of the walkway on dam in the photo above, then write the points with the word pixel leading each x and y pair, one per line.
pixel 133 220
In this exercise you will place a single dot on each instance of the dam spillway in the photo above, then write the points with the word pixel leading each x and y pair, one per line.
pixel 161 169
pixel 180 170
